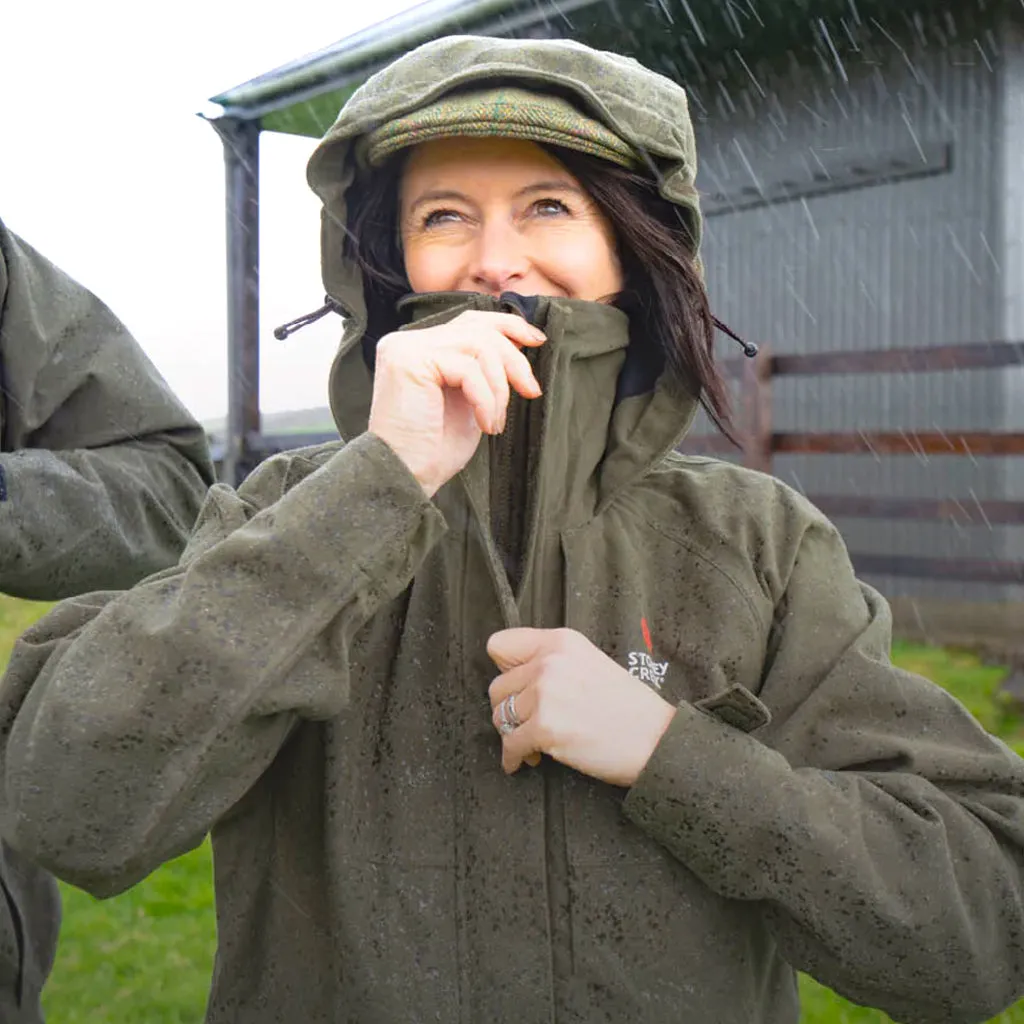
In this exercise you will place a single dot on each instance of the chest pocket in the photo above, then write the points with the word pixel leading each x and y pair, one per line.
pixel 678 625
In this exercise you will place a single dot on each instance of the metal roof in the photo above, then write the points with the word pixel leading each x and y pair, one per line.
pixel 304 96
pixel 694 41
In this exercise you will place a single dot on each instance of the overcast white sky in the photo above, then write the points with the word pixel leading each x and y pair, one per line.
pixel 107 170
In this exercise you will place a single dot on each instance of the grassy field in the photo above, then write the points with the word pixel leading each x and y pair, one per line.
pixel 145 957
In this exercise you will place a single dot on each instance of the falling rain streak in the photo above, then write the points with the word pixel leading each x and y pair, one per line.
pixel 859 200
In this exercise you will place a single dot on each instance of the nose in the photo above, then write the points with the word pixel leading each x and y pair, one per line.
pixel 500 259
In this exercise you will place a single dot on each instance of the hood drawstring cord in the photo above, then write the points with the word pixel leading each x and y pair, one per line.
pixel 749 348
pixel 512 302
pixel 509 300
pixel 329 306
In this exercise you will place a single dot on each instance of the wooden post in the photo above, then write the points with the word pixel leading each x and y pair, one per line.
pixel 756 404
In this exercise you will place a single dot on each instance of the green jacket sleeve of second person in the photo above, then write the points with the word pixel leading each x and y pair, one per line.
pixel 102 469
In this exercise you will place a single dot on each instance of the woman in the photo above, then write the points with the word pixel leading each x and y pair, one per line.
pixel 506 564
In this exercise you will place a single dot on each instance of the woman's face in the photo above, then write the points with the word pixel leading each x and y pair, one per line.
pixel 495 215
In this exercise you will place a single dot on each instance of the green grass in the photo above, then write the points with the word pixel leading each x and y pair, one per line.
pixel 975 685
pixel 145 957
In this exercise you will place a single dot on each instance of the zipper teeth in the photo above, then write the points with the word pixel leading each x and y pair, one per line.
pixel 531 523
pixel 459 797
pixel 504 525
pixel 506 514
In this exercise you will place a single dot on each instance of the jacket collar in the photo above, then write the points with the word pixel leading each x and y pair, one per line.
pixel 608 413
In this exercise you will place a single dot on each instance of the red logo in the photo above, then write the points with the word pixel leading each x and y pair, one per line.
pixel 643 666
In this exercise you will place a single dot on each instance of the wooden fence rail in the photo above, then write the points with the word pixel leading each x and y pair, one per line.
pixel 761 443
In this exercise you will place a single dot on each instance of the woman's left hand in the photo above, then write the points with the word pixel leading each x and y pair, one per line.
pixel 575 704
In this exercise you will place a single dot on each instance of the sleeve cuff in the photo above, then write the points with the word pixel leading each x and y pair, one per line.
pixel 703 793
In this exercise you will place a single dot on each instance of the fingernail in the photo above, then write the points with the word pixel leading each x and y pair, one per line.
pixel 539 334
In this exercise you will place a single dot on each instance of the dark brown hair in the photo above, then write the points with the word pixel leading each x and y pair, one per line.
pixel 662 293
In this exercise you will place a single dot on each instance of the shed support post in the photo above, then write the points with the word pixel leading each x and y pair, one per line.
pixel 241 141
pixel 1010 255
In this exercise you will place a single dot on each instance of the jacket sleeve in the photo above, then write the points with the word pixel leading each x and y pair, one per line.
pixel 102 470
pixel 878 826
pixel 131 723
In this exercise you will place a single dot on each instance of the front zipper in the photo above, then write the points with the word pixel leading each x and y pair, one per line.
pixel 512 492
pixel 507 493
pixel 512 495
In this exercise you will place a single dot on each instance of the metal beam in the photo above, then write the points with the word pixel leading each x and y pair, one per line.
pixel 962 511
pixel 980 355
pixel 355 57
pixel 242 185
pixel 873 442
pixel 962 570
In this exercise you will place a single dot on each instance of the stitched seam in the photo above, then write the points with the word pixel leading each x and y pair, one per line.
pixel 748 600
pixel 414 94
pixel 617 501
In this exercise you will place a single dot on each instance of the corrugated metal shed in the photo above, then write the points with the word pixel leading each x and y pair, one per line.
pixel 886 234
pixel 861 163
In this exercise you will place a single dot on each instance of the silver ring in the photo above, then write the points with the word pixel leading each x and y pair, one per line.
pixel 506 712
pixel 512 716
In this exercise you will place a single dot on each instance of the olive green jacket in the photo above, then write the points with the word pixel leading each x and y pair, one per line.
pixel 102 469
pixel 102 473
pixel 310 683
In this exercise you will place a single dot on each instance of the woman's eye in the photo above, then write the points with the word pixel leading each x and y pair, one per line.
pixel 440 217
pixel 550 207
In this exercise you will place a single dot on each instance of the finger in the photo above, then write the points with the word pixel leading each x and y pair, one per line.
pixel 519 372
pixel 466 373
pixel 511 647
pixel 520 745
pixel 525 707
pixel 519 333
pixel 512 325
pixel 515 367
pixel 493 366
pixel 514 680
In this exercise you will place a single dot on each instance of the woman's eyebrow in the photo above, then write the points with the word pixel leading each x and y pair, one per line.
pixel 437 195
pixel 555 185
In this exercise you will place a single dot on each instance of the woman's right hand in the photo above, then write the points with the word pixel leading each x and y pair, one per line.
pixel 437 390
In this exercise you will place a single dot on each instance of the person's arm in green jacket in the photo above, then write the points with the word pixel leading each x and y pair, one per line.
pixel 877 824
pixel 102 470
pixel 131 723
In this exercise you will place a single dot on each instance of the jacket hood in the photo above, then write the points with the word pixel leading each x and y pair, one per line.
pixel 635 414
pixel 645 109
